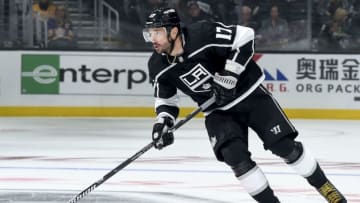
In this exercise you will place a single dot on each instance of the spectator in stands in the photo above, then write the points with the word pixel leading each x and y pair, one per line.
pixel 246 18
pixel 45 9
pixel 336 34
pixel 256 6
pixel 355 26
pixel 226 10
pixel 273 32
pixel 198 11
pixel 60 33
pixel 180 6
pixel 333 5
pixel 325 9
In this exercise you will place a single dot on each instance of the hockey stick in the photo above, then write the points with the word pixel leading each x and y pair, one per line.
pixel 139 153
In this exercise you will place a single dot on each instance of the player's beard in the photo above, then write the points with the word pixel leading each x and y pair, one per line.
pixel 165 48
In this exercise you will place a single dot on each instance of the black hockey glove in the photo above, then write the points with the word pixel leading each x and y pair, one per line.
pixel 224 87
pixel 160 134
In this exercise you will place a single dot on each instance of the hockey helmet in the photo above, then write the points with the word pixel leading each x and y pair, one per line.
pixel 165 18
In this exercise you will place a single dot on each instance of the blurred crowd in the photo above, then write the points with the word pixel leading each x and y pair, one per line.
pixel 325 25
pixel 59 27
pixel 338 24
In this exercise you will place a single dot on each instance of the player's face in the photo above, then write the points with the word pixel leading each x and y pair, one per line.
pixel 158 37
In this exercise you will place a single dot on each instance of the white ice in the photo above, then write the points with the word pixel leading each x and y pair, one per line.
pixel 53 159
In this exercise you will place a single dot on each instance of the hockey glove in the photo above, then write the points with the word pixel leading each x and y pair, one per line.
pixel 224 87
pixel 160 134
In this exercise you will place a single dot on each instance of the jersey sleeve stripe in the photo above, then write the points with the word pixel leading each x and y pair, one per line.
pixel 251 55
pixel 172 101
pixel 163 71
pixel 243 35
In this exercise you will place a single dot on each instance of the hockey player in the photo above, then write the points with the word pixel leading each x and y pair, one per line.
pixel 207 59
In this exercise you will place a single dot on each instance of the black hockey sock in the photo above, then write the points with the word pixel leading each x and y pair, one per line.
pixel 266 196
pixel 317 178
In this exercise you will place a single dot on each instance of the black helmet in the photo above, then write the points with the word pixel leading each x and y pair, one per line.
pixel 163 17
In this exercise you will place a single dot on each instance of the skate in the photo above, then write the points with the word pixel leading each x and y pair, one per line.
pixel 331 194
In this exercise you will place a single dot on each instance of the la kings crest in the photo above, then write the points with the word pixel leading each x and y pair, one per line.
pixel 197 79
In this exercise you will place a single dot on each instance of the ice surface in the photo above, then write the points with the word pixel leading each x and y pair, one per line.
pixel 53 159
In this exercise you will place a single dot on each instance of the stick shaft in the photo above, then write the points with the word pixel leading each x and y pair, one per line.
pixel 83 193
pixel 193 114
pixel 111 173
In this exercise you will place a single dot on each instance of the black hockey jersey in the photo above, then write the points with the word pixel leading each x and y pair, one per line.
pixel 207 47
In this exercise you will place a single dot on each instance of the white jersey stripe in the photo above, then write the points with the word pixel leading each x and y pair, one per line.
pixel 163 71
pixel 172 101
pixel 243 36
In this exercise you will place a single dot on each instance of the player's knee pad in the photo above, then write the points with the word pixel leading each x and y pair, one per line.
pixel 295 154
pixel 237 156
pixel 243 167
pixel 287 149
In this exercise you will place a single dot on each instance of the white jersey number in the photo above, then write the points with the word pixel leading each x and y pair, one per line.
pixel 223 33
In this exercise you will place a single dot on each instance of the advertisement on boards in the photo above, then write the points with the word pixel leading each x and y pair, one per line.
pixel 120 79
pixel 63 74
pixel 313 81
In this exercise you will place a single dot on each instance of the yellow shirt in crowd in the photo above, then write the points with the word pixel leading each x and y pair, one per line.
pixel 49 13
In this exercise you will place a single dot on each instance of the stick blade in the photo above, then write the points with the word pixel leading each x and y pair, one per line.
pixel 83 193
